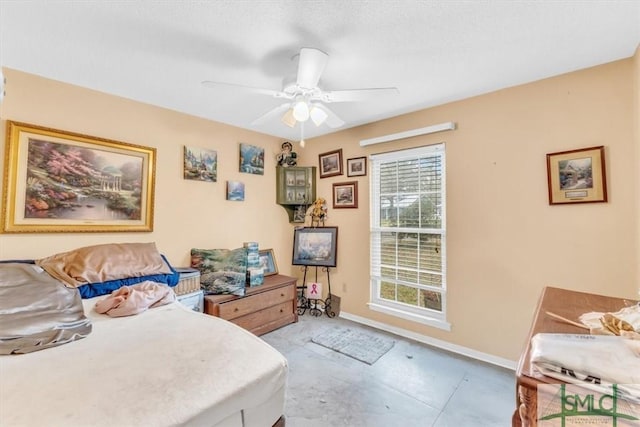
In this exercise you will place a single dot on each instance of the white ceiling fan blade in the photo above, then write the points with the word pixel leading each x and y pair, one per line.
pixel 271 114
pixel 249 89
pixel 352 95
pixel 311 64
pixel 332 120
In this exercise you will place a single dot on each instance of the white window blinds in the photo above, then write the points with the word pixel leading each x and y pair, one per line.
pixel 408 232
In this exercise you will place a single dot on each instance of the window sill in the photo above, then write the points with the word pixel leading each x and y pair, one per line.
pixel 413 317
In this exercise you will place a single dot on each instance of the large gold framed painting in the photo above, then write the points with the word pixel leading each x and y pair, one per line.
pixel 59 181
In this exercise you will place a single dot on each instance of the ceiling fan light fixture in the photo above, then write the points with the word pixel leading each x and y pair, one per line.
pixel 318 115
pixel 302 98
pixel 301 111
pixel 288 118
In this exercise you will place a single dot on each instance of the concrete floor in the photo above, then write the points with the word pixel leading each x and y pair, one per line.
pixel 413 385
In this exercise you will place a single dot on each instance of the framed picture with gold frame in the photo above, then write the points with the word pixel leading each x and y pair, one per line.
pixel 577 176
pixel 58 181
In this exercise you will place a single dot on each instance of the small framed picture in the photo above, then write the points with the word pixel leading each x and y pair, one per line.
pixel 268 262
pixel 577 176
pixel 345 195
pixel 200 164
pixel 251 159
pixel 330 163
pixel 357 166
pixel 299 214
pixel 235 191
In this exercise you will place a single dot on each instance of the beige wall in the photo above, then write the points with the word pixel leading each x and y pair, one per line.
pixel 187 213
pixel 505 243
pixel 636 127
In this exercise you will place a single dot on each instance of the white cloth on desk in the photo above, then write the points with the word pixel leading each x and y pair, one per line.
pixel 589 360
pixel 631 315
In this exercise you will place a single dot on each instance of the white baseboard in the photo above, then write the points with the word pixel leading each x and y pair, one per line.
pixel 454 348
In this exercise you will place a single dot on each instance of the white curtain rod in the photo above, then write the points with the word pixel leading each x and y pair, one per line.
pixel 408 134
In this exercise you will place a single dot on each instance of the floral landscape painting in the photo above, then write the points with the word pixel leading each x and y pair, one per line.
pixel 61 181
pixel 70 182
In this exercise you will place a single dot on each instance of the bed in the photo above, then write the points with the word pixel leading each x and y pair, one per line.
pixel 166 366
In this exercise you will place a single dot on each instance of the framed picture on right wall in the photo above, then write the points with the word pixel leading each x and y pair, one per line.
pixel 330 163
pixel 577 176
pixel 345 195
pixel 357 166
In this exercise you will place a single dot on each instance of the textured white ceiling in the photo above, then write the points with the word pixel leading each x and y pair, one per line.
pixel 434 52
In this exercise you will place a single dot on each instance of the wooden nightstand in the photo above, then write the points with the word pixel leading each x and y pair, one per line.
pixel 263 308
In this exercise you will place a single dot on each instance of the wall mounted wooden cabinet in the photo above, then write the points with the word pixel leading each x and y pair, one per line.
pixel 296 186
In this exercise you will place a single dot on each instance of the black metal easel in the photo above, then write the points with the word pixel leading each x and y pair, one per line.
pixel 315 306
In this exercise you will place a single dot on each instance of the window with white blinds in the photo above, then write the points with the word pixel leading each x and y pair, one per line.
pixel 408 275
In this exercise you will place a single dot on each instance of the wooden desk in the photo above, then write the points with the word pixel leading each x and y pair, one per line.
pixel 570 305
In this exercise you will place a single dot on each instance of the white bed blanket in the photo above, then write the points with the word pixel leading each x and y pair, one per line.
pixel 167 366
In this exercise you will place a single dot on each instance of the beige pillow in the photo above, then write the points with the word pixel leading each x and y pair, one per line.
pixel 100 263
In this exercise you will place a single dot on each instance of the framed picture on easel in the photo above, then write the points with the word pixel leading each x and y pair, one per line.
pixel 315 246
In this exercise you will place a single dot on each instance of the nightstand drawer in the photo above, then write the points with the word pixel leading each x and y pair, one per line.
pixel 243 306
pixel 268 315
pixel 263 309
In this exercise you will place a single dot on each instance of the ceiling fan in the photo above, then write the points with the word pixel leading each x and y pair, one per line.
pixel 303 97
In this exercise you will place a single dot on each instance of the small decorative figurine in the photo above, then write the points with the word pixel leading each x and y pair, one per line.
pixel 318 212
pixel 287 157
